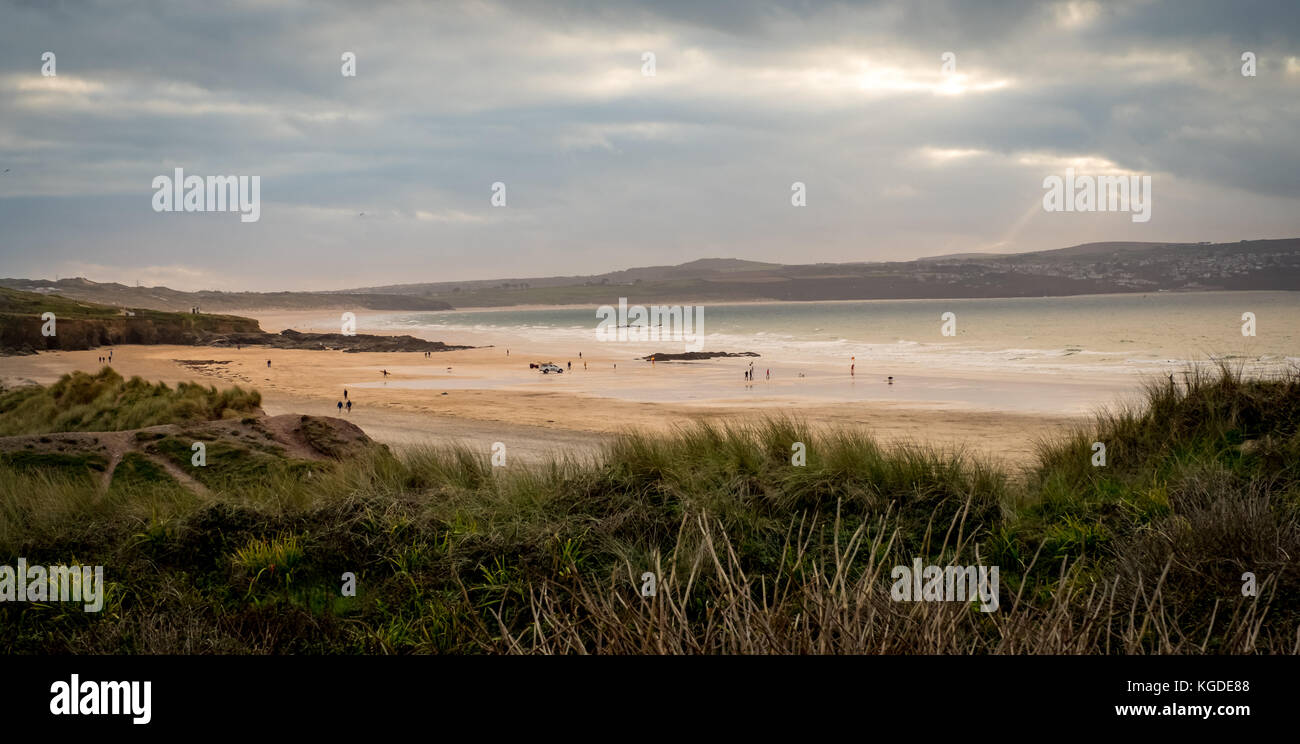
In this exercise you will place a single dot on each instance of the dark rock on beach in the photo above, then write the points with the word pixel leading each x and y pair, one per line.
pixel 291 339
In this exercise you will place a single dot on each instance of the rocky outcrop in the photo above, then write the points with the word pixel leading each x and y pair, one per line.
pixel 291 339
pixel 21 333
pixel 79 326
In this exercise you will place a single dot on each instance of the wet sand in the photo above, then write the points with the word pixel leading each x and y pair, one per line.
pixel 481 396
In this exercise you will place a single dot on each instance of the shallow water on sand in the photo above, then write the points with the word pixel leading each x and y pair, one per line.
pixel 1137 331
pixel 1030 354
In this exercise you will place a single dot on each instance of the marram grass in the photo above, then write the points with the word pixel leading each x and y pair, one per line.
pixel 751 554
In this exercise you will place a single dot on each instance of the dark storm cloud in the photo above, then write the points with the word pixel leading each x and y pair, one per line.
pixel 606 168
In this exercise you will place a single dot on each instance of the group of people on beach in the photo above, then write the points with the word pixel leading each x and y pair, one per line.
pixel 107 359
pixel 853 371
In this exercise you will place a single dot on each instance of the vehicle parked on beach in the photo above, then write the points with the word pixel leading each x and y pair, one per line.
pixel 549 368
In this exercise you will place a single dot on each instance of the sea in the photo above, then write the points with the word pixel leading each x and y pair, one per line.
pixel 1066 355
pixel 1135 332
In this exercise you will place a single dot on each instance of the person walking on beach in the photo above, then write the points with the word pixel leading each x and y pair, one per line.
pixel 345 393
pixel 852 368
pixel 268 363
pixel 349 406
pixel 570 365
pixel 385 373
pixel 584 366
pixel 769 374
pixel 340 406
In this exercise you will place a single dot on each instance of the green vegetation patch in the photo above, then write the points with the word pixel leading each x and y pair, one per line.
pixel 106 402
pixel 750 553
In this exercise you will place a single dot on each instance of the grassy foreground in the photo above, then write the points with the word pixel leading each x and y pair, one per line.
pixel 752 554
pixel 107 402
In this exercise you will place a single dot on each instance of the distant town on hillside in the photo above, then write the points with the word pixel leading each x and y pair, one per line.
pixel 1093 268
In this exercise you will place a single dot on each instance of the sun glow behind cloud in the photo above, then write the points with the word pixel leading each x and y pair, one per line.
pixel 856 100
pixel 884 80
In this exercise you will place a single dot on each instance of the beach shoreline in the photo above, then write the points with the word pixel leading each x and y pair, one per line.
pixel 487 397
pixel 996 397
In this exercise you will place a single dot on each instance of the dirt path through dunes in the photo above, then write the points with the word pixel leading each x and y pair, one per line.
pixel 407 429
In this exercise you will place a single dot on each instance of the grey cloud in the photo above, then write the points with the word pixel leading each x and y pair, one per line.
pixel 607 169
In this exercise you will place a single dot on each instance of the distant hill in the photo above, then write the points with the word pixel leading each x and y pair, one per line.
pixel 162 298
pixel 1090 268
pixel 1074 251
pixel 703 268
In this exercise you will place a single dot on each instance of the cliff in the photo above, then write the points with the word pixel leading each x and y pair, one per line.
pixel 79 325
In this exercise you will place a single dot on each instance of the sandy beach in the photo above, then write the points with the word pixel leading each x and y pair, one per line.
pixel 480 396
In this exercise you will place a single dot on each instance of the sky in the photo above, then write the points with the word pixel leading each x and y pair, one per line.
pixel 387 176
